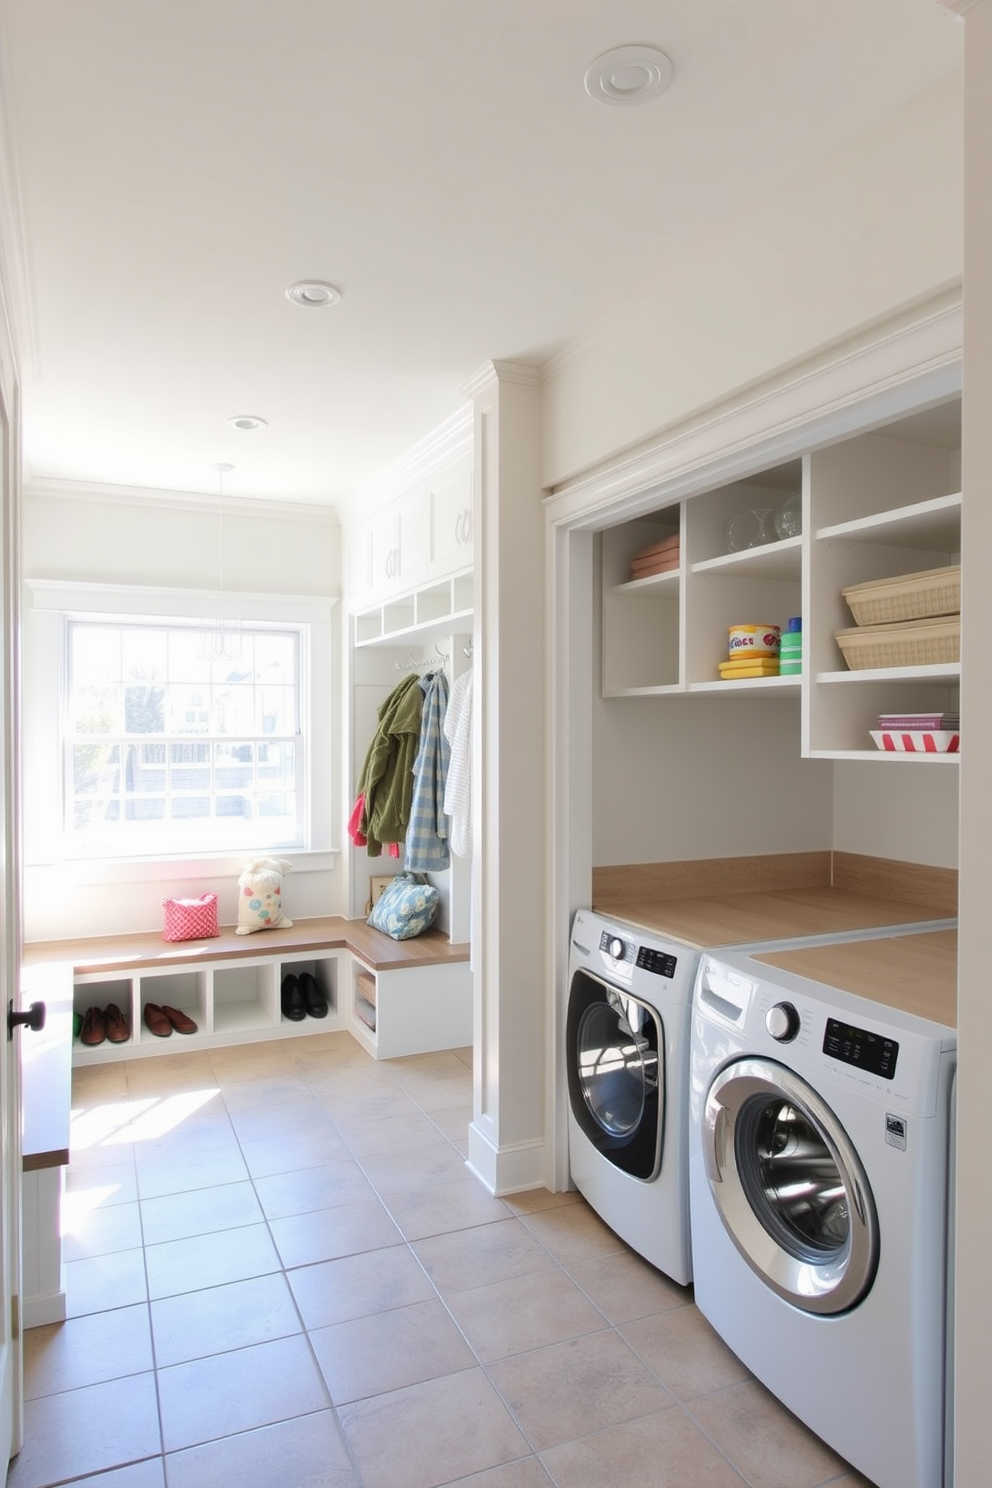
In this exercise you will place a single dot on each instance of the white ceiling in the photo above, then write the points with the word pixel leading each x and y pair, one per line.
pixel 178 163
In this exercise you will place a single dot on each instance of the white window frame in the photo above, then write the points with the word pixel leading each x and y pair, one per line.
pixel 44 713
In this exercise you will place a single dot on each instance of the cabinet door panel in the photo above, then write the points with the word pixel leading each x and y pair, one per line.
pixel 450 500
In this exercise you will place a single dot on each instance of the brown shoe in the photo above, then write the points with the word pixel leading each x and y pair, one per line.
pixel 94 1029
pixel 179 1020
pixel 117 1028
pixel 156 1021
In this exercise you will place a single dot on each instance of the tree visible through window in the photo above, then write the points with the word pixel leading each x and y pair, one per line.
pixel 171 753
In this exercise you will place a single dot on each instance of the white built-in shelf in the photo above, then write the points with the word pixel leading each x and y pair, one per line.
pixel 774 560
pixel 946 673
pixel 651 586
pixel 780 685
pixel 425 614
pixel 933 524
pixel 891 756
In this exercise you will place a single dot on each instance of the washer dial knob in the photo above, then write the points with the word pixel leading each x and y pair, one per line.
pixel 782 1022
pixel 616 948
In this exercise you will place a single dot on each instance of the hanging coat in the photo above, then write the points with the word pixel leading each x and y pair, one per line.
pixel 386 781
pixel 458 787
pixel 427 833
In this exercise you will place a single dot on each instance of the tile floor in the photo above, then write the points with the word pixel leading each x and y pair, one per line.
pixel 281 1275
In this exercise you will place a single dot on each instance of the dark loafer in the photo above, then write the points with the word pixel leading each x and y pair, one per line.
pixel 117 1028
pixel 179 1020
pixel 316 1002
pixel 293 1005
pixel 94 1029
pixel 156 1021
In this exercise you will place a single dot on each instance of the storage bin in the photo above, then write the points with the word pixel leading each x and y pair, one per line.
pixel 934 591
pixel 915 643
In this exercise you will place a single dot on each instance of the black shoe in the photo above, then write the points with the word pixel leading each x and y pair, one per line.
pixel 316 1002
pixel 293 1005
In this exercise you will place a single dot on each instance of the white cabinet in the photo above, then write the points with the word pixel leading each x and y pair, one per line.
pixel 449 497
pixel 872 507
pixel 231 1001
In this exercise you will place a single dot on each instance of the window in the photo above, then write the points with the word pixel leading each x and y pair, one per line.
pixel 168 751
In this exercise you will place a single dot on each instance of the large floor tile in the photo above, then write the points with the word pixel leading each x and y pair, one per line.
pixel 766 1442
pixel 522 1313
pixel 173 1173
pixel 90 1228
pixel 570 1389
pixel 463 1259
pixel 625 1287
pixel 234 1392
pixel 358 1285
pixel 307 1452
pixel 102 1184
pixel 572 1232
pixel 685 1352
pixel 387 1350
pixel 209 1260
pixel 222 1318
pixel 302 1192
pixel 267 1156
pixel 68 1435
pixel 399 1172
pixel 102 1282
pixel 147 1474
pixel 527 1472
pixel 86 1351
pixel 303 1239
pixel 410 1132
pixel 417 1437
pixel 200 1211
pixel 448 1206
pixel 665 1450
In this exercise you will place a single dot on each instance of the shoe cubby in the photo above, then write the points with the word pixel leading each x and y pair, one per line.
pixel 325 971
pixel 101 992
pixel 245 998
pixel 412 1009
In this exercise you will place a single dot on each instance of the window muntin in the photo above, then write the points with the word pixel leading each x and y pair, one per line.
pixel 170 752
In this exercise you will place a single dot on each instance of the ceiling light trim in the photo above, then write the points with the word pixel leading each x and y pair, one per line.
pixel 314 294
pixel 629 75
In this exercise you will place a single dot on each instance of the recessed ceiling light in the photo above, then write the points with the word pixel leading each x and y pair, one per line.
pixel 247 421
pixel 313 293
pixel 628 75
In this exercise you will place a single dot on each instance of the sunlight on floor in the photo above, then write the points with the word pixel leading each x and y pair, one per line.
pixel 135 1121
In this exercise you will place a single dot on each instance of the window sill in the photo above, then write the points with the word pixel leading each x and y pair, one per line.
pixel 169 870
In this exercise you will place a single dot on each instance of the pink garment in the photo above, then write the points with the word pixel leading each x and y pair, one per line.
pixel 354 823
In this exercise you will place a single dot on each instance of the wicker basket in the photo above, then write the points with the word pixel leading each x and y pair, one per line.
pixel 915 643
pixel 935 591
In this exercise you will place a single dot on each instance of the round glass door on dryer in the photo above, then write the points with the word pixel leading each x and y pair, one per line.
pixel 616 1075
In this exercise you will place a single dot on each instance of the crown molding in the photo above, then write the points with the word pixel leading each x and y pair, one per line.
pixel 234 506
pixel 527 373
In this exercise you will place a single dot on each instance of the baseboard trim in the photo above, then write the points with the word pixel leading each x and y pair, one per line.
pixel 505 1170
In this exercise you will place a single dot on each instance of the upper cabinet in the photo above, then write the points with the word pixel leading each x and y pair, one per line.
pixel 780 547
pixel 449 499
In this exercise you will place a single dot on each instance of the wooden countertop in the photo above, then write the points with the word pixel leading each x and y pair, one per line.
pixel 915 973
pixel 147 950
pixel 781 914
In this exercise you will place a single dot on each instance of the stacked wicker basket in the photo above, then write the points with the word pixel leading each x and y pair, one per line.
pixel 911 620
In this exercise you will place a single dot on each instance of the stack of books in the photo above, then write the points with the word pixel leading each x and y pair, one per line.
pixel 661 557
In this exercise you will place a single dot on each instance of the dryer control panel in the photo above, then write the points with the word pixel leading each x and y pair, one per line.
pixel 869 1051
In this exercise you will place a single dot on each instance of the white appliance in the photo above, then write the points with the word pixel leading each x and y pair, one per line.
pixel 627 1055
pixel 819 1174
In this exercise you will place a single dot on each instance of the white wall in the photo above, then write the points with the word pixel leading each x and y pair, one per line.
pixel 874 228
pixel 908 812
pixel 92 538
pixel 704 777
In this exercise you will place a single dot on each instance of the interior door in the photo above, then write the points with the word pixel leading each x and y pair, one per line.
pixel 10 939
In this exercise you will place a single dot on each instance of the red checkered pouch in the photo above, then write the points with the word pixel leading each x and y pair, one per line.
pixel 190 919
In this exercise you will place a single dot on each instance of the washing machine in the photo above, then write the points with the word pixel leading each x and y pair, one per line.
pixel 627 1033
pixel 821 1085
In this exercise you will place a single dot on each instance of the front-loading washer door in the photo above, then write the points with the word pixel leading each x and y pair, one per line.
pixel 616 1069
pixel 789 1186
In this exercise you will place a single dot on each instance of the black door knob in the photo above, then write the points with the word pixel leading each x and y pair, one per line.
pixel 34 1017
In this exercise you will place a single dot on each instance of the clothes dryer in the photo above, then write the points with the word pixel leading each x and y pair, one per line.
pixel 821 1084
pixel 627 1036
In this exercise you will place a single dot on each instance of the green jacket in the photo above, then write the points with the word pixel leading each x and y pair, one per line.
pixel 387 776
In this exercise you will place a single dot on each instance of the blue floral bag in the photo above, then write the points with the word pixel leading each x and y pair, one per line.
pixel 406 907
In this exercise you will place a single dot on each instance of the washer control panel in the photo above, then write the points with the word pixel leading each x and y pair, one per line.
pixel 869 1051
pixel 659 962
